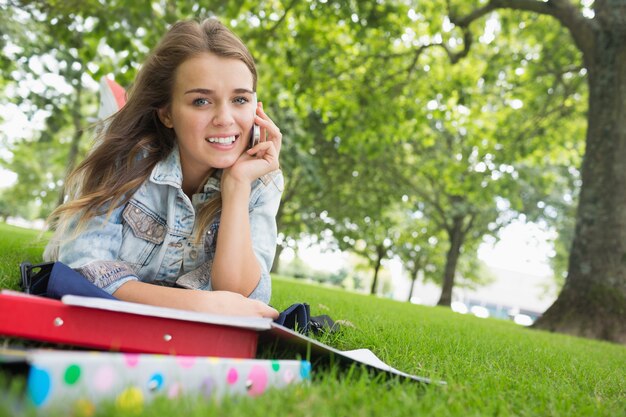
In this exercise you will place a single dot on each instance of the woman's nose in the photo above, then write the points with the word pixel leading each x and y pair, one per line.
pixel 222 116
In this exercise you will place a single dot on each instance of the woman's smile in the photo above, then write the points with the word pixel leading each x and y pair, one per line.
pixel 222 140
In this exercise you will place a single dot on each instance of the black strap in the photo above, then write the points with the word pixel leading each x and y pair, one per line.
pixel 323 324
pixel 35 277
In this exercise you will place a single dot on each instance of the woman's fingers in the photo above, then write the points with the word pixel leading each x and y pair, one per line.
pixel 269 130
pixel 267 311
pixel 266 151
pixel 234 304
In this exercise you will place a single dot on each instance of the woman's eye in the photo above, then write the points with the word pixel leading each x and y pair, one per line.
pixel 200 102
pixel 240 100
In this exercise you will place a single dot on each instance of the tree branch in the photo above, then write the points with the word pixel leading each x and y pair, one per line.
pixel 570 69
pixel 467 44
pixel 291 190
pixel 416 56
pixel 564 11
pixel 476 14
pixel 433 198
pixel 469 224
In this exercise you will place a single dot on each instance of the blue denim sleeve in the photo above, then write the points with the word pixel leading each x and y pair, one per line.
pixel 263 230
pixel 93 252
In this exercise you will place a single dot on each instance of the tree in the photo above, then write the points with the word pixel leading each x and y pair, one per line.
pixel 592 302
pixel 61 57
pixel 467 182
pixel 365 214
pixel 387 108
pixel 419 250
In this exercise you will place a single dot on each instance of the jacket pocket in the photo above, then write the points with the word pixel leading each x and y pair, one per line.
pixel 143 232
pixel 210 239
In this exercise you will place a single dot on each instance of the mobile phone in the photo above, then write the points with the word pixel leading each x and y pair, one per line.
pixel 255 133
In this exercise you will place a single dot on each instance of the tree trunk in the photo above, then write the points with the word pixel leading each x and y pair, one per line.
pixel 276 262
pixel 415 271
pixel 72 156
pixel 456 237
pixel 380 253
pixel 592 302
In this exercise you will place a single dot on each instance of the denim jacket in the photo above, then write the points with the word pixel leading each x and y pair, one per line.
pixel 151 237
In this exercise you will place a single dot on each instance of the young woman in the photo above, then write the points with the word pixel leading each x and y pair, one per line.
pixel 172 207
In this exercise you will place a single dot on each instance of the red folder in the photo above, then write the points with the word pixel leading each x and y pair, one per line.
pixel 136 328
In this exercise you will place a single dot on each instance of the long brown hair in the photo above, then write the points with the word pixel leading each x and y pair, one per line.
pixel 135 140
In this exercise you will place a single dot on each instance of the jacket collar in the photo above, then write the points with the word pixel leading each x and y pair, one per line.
pixel 169 172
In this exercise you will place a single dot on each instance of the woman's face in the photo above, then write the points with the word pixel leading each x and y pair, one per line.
pixel 212 111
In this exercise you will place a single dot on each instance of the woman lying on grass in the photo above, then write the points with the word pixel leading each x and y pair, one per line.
pixel 173 207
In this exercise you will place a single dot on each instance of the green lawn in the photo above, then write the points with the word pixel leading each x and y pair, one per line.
pixel 17 245
pixel 492 367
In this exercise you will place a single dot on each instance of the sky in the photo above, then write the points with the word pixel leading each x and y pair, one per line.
pixel 7 178
pixel 13 125
pixel 522 247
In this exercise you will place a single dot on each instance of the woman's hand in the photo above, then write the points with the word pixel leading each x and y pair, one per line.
pixel 234 304
pixel 262 158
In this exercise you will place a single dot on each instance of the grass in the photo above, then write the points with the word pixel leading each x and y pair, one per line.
pixel 18 245
pixel 492 367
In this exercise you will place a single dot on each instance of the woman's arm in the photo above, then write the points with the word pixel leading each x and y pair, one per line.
pixel 235 266
pixel 93 253
pixel 213 302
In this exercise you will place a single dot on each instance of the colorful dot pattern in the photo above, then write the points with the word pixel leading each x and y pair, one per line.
pixel 81 379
